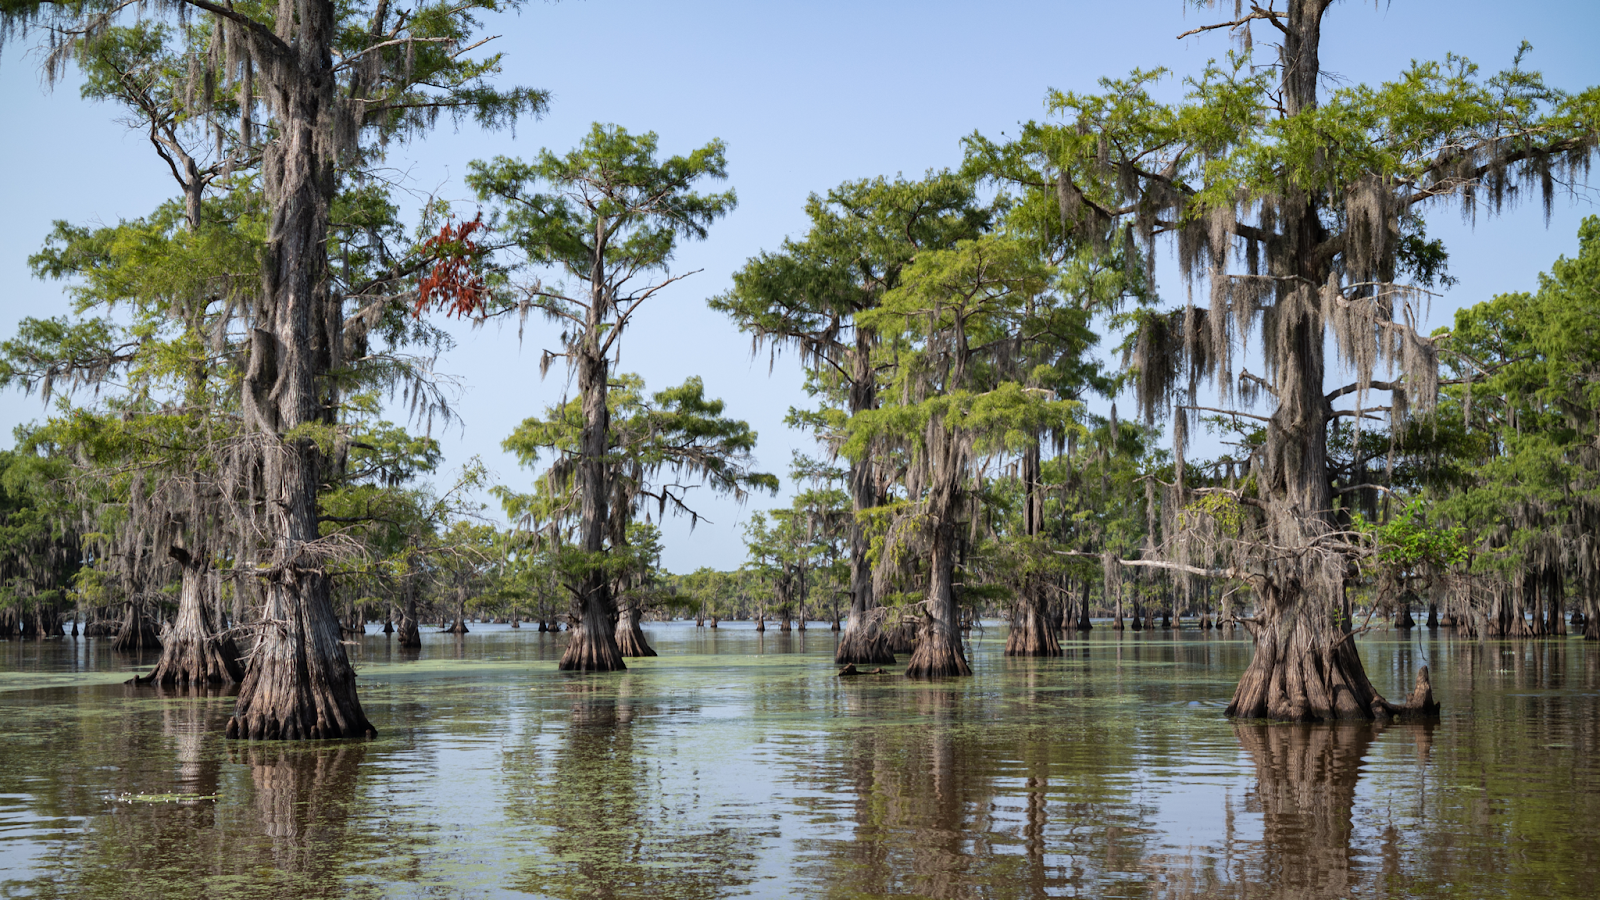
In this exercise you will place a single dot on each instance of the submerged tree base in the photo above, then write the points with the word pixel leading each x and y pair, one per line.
pixel 593 647
pixel 865 645
pixel 1292 679
pixel 282 701
pixel 191 661
pixel 408 634
pixel 136 632
pixel 630 638
pixel 1031 635
pixel 299 685
pixel 938 656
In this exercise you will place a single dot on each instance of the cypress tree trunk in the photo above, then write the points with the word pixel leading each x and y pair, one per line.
pixel 1305 666
pixel 938 652
pixel 863 641
pixel 193 654
pixel 409 633
pixel 1032 631
pixel 1031 634
pixel 593 647
pixel 1555 607
pixel 1404 621
pixel 300 683
pixel 135 634
pixel 630 637
pixel 459 626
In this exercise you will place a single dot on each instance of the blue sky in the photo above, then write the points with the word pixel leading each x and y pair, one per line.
pixel 806 95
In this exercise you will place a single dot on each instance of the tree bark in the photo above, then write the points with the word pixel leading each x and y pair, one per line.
pixel 409 633
pixel 1031 634
pixel 1305 666
pixel 300 683
pixel 193 654
pixel 1032 631
pixel 630 637
pixel 863 641
pixel 938 652
pixel 593 646
pixel 136 632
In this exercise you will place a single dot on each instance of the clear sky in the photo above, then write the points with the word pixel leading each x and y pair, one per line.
pixel 806 95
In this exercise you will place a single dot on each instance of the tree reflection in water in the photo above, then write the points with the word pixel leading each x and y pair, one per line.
pixel 922 804
pixel 606 825
pixel 1306 779
pixel 301 806
pixel 1305 792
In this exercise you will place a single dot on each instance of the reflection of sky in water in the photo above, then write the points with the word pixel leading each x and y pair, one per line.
pixel 736 764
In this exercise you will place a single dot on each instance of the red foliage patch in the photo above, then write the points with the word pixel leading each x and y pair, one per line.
pixel 453 281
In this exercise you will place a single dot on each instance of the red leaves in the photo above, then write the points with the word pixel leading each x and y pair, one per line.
pixel 453 282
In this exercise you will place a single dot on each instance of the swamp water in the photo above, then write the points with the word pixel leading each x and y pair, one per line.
pixel 737 764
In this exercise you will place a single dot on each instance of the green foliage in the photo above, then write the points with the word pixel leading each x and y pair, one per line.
pixel 659 446
pixel 610 202
pixel 1408 542
pixel 1223 509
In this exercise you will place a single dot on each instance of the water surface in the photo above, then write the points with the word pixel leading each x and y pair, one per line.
pixel 737 764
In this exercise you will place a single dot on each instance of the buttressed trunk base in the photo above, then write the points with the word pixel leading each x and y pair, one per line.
pixel 193 654
pixel 300 684
pixel 863 642
pixel 630 637
pixel 938 653
pixel 1306 669
pixel 1031 632
pixel 593 646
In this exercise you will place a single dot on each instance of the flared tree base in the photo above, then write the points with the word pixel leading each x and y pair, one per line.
pixel 1031 635
pixel 281 702
pixel 593 646
pixel 631 642
pixel 135 634
pixel 938 657
pixel 189 660
pixel 408 635
pixel 1293 680
pixel 866 645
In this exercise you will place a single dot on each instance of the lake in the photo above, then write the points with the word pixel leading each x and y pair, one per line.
pixel 737 764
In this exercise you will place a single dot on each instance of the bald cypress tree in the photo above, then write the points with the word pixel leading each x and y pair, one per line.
pixel 963 390
pixel 1299 219
pixel 606 213
pixel 808 297
pixel 309 109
